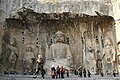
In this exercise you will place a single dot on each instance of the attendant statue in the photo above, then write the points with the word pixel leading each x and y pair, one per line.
pixel 60 53
pixel 13 54
pixel 90 61
pixel 108 53
pixel 28 60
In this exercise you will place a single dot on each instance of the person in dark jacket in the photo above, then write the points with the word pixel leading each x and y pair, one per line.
pixel 80 72
pixel 114 73
pixel 84 72
pixel 58 72
pixel 67 72
pixel 43 73
pixel 89 74
pixel 53 72
pixel 40 64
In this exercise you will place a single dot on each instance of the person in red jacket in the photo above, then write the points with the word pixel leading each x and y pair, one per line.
pixel 62 71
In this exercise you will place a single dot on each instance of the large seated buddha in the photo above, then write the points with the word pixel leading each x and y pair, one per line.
pixel 60 53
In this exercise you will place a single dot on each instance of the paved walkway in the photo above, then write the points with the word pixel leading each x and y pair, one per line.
pixel 47 77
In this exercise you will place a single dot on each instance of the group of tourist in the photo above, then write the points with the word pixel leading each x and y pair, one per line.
pixel 58 72
pixel 84 73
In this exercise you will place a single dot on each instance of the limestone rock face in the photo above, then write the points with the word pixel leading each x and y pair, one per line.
pixel 11 7
pixel 60 53
pixel 34 23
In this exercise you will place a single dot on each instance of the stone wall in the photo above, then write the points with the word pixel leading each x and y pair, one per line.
pixel 9 8
pixel 35 30
pixel 31 23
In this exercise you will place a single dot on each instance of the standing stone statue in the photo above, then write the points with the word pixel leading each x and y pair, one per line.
pixel 28 60
pixel 90 61
pixel 60 53
pixel 13 55
pixel 108 53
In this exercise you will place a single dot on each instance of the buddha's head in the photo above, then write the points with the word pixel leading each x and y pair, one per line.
pixel 59 36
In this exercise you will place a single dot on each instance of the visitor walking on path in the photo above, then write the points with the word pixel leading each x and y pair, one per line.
pixel 84 72
pixel 89 74
pixel 67 72
pixel 39 66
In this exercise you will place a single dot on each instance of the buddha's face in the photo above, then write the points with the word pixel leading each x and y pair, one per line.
pixel 59 38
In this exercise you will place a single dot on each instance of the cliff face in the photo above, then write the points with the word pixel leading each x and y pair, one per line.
pixel 33 23
pixel 10 7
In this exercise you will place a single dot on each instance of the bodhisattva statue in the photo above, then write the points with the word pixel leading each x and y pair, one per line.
pixel 13 55
pixel 60 52
pixel 108 54
pixel 90 61
pixel 28 60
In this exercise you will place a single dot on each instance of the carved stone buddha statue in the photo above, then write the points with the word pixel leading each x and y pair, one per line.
pixel 60 53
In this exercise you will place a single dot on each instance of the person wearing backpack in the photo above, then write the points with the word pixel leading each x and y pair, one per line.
pixel 53 72
pixel 62 71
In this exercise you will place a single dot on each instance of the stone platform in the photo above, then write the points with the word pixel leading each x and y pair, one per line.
pixel 48 77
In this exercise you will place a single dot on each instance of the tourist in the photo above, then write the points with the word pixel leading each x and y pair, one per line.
pixel 84 72
pixel 40 64
pixel 67 72
pixel 114 73
pixel 80 72
pixel 102 74
pixel 58 72
pixel 62 71
pixel 43 73
pixel 89 74
pixel 53 72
